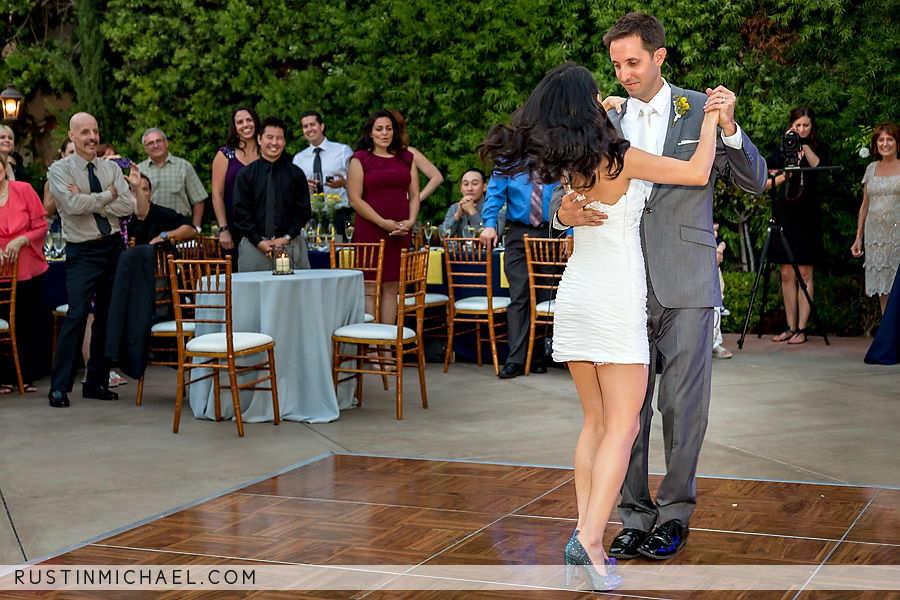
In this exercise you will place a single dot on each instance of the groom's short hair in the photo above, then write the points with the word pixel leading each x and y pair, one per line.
pixel 647 27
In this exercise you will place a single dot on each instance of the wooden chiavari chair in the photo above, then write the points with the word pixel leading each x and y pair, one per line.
pixel 366 257
pixel 401 340
pixel 469 267
pixel 545 258
pixel 8 285
pixel 201 293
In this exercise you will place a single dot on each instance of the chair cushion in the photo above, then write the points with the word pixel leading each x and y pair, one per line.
pixel 480 303
pixel 373 331
pixel 62 308
pixel 169 327
pixel 429 299
pixel 215 342
pixel 4 324
pixel 548 307
pixel 370 318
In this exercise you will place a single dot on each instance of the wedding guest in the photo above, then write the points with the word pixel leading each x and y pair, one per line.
pixel 271 181
pixel 153 224
pixel 719 351
pixel 240 150
pixel 174 179
pixel 14 170
pixel 92 254
pixel 325 164
pixel 467 212
pixel 23 227
pixel 383 187
pixel 67 148
pixel 798 210
pixel 424 165
pixel 879 214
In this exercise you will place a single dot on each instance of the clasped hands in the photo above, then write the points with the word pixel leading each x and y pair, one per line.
pixel 265 246
pixel 397 228
pixel 11 252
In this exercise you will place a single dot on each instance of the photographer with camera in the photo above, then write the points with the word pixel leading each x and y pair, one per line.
pixel 797 209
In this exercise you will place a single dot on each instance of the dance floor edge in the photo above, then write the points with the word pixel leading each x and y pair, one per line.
pixel 395 513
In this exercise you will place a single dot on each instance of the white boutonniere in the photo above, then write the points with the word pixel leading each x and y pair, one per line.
pixel 681 105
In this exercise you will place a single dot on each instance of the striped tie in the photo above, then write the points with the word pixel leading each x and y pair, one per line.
pixel 537 203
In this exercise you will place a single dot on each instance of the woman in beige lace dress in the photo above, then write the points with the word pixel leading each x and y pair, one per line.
pixel 879 215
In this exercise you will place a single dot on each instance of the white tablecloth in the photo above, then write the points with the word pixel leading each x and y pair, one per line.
pixel 300 312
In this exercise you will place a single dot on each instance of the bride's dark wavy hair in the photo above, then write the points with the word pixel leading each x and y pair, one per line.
pixel 561 130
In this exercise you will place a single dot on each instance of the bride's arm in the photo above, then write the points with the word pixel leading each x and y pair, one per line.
pixel 662 169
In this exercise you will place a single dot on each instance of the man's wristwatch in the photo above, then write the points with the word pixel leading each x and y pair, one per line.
pixel 287 237
pixel 164 235
pixel 223 228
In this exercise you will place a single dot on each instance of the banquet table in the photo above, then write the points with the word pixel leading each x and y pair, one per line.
pixel 300 312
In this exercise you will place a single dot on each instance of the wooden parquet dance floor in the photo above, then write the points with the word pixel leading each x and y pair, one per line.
pixel 365 510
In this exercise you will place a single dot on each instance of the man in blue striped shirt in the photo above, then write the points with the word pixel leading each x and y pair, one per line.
pixel 527 210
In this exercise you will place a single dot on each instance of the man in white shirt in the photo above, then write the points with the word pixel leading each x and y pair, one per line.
pixel 325 164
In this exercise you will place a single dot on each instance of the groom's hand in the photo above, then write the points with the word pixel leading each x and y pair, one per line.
pixel 574 213
pixel 723 99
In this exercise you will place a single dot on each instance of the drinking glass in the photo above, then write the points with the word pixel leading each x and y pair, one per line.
pixel 429 231
pixel 348 233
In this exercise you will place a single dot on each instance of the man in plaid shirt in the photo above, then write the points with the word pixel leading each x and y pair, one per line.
pixel 175 183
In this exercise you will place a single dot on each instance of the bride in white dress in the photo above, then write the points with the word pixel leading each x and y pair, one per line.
pixel 562 133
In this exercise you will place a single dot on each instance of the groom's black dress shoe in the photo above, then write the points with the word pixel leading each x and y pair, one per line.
pixel 58 399
pixel 98 392
pixel 665 541
pixel 511 370
pixel 626 544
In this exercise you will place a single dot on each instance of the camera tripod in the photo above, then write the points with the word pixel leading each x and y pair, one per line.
pixel 775 231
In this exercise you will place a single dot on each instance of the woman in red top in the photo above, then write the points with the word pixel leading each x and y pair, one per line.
pixel 383 187
pixel 23 226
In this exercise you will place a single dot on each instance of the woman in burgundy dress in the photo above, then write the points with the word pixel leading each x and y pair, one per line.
pixel 240 150
pixel 383 187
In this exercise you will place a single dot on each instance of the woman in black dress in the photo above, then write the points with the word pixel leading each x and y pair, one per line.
pixel 798 211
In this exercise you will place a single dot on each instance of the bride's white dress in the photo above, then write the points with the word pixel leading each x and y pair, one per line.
pixel 601 303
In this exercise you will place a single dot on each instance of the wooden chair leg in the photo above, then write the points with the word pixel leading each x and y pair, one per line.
pixel 235 396
pixel 478 343
pixel 274 381
pixel 335 364
pixel 399 364
pixel 493 335
pixel 531 333
pixel 420 353
pixel 140 391
pixel 449 345
pixel 217 390
pixel 359 378
pixel 179 396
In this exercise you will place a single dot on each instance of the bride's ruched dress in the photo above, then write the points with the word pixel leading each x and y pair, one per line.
pixel 601 303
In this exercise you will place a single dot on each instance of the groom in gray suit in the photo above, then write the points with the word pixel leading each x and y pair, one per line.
pixel 682 282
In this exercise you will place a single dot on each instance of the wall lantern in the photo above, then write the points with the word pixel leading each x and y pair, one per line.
pixel 11 99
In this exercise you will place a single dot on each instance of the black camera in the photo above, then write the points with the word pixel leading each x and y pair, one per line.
pixel 790 146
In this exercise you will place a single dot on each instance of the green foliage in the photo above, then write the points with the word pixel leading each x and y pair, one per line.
pixel 454 68
pixel 841 307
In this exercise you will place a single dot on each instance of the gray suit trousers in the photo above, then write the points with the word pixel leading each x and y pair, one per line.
pixel 681 339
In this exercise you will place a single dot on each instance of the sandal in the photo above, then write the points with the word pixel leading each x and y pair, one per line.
pixel 785 335
pixel 30 389
pixel 5 389
pixel 797 337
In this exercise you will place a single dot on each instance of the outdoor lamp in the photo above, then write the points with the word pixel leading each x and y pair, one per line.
pixel 11 99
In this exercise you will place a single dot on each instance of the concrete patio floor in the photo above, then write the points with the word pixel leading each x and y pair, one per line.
pixel 801 413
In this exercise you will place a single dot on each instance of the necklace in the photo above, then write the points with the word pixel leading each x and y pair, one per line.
pixel 5 192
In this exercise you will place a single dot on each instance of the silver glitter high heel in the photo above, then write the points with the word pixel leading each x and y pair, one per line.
pixel 571 565
pixel 577 559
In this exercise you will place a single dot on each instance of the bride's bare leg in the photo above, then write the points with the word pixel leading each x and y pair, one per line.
pixel 622 389
pixel 588 387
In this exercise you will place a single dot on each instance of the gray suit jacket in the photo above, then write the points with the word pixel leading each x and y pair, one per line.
pixel 677 227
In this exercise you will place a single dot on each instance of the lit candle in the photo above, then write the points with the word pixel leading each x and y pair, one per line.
pixel 282 264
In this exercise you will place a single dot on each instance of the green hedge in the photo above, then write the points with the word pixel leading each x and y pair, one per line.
pixel 836 298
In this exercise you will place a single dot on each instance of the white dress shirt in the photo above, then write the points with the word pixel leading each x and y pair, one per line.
pixel 335 158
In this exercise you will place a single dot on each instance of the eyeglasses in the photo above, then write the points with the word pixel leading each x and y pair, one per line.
pixel 153 143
